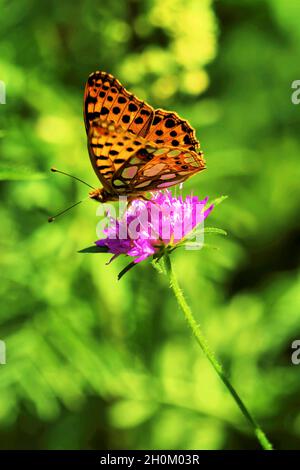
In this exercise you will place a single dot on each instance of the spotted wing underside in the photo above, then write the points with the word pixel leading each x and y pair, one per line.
pixel 169 129
pixel 133 148
pixel 105 98
pixel 129 164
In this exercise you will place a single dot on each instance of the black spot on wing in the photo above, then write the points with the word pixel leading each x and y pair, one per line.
pixel 132 107
pixel 92 116
pixel 187 139
pixel 170 123
pixel 104 111
pixel 126 118
pixel 90 99
pixel 97 146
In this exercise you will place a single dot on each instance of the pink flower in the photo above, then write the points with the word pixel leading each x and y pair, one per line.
pixel 149 227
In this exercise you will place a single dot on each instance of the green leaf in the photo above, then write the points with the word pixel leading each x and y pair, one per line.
pixel 219 231
pixel 94 249
pixel 218 200
pixel 205 230
pixel 126 269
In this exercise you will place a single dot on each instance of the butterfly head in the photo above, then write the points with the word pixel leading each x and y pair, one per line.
pixel 101 195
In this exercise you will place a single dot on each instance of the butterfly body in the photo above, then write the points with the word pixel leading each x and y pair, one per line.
pixel 101 195
pixel 134 148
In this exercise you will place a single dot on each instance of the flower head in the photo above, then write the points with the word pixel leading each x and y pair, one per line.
pixel 150 227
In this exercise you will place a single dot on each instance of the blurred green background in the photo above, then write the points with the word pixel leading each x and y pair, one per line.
pixel 93 363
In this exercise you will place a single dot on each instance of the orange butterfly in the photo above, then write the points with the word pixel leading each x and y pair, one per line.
pixel 134 148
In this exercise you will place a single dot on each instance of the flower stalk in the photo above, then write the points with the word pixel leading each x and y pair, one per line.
pixel 152 240
pixel 201 340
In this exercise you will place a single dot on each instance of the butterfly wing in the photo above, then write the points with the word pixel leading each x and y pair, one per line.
pixel 133 148
pixel 165 167
pixel 102 136
pixel 105 98
pixel 168 129
pixel 152 167
pixel 127 164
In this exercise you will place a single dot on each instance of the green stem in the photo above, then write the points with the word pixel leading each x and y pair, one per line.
pixel 201 340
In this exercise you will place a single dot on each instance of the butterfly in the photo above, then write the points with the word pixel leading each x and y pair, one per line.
pixel 134 148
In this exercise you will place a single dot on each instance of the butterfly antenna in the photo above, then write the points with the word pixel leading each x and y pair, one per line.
pixel 51 219
pixel 55 170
